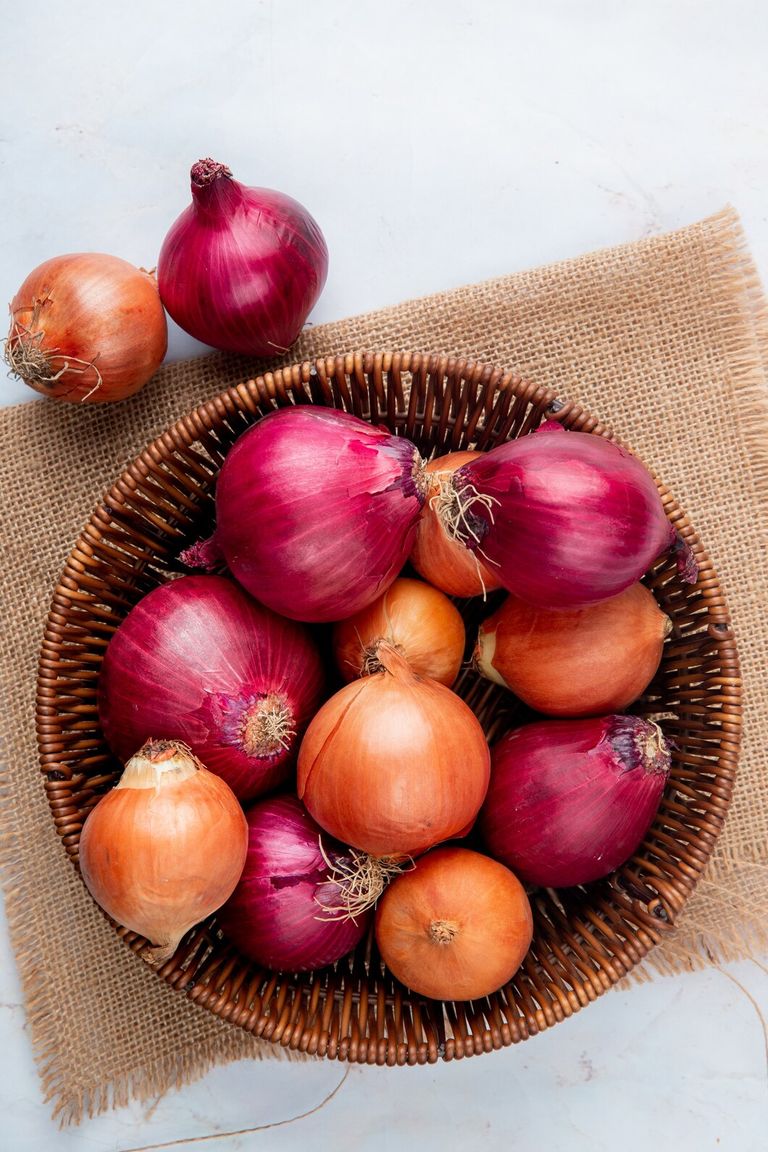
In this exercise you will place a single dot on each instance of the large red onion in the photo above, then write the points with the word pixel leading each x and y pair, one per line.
pixel 198 660
pixel 316 511
pixel 275 915
pixel 565 519
pixel 571 800
pixel 241 268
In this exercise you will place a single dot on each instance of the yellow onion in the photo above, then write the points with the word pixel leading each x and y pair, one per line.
pixel 421 622
pixel 580 662
pixel 435 555
pixel 165 848
pixel 456 927
pixel 86 327
pixel 394 763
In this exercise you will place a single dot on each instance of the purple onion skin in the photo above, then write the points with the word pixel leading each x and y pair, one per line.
pixel 571 800
pixel 241 268
pixel 275 915
pixel 316 511
pixel 577 518
pixel 192 661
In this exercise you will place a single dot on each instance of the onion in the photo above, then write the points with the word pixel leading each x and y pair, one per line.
pixel 165 848
pixel 571 800
pixel 436 555
pixel 316 511
pixel 276 914
pixel 456 927
pixel 86 327
pixel 567 518
pixel 419 621
pixel 200 661
pixel 585 662
pixel 241 268
pixel 394 763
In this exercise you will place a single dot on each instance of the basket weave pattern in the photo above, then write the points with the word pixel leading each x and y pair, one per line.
pixel 584 939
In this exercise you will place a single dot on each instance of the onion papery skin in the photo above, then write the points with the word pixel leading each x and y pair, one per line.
pixel 200 661
pixel 582 662
pixel 316 511
pixel 571 800
pixel 165 848
pixel 241 268
pixel 87 328
pixel 435 555
pixel 394 763
pixel 455 927
pixel 276 914
pixel 420 621
pixel 568 518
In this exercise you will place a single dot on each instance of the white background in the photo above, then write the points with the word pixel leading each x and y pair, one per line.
pixel 436 143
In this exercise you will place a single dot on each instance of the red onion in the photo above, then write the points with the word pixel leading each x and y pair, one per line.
pixel 241 268
pixel 275 915
pixel 571 800
pixel 566 519
pixel 317 510
pixel 197 660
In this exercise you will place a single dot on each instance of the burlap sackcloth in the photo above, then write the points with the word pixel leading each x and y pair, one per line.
pixel 665 339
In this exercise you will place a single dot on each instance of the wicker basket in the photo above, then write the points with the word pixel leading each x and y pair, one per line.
pixel 585 939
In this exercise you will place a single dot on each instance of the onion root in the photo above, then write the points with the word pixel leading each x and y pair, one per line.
pixel 453 508
pixel 361 881
pixel 443 931
pixel 268 726
pixel 33 364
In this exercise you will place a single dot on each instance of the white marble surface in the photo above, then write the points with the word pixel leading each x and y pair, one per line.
pixel 436 143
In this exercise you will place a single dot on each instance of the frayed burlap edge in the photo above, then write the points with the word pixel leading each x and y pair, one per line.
pixel 732 888
pixel 151 1082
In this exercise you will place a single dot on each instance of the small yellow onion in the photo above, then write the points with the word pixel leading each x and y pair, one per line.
pixel 421 622
pixel 437 557
pixel 456 927
pixel 165 848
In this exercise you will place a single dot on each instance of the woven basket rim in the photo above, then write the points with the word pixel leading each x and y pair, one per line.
pixel 291 384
